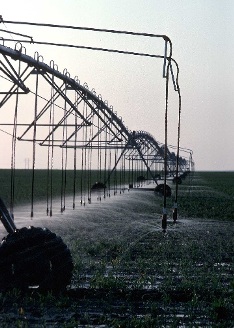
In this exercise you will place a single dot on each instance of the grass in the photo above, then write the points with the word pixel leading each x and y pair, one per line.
pixel 130 274
pixel 56 183
pixel 211 195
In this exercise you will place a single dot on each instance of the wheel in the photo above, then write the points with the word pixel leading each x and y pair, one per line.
pixel 177 180
pixel 141 178
pixel 98 185
pixel 34 257
pixel 159 189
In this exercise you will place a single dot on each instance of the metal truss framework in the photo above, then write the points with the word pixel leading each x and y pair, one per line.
pixel 69 115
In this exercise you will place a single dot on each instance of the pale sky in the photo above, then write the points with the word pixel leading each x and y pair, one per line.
pixel 202 33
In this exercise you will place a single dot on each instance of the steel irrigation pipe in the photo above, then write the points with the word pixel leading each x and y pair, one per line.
pixel 165 71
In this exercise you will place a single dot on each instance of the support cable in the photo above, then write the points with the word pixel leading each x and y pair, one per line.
pixel 86 158
pixel 50 158
pixel 90 153
pixel 83 161
pixel 115 171
pixel 175 211
pixel 13 151
pixel 34 145
pixel 92 29
pixel 64 162
pixel 52 162
pixel 19 34
pixel 99 158
pixel 75 157
pixel 105 159
pixel 66 45
pixel 164 215
pixel 110 159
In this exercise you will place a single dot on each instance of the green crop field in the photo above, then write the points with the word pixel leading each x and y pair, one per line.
pixel 53 183
pixel 127 272
pixel 208 195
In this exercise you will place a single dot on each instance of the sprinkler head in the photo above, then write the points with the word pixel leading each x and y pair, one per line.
pixel 164 222
pixel 175 213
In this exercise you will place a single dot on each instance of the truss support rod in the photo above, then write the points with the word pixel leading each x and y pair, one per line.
pixel 142 157
pixel 130 141
pixel 17 80
pixel 99 116
pixel 116 163
pixel 40 114
pixel 148 168
pixel 63 121
pixel 17 83
pixel 6 218
pixel 77 128
pixel 48 79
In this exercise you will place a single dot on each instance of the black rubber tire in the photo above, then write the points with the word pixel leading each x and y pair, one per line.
pixel 98 185
pixel 159 189
pixel 177 180
pixel 141 178
pixel 35 257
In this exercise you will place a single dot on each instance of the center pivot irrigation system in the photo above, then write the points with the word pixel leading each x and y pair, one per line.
pixel 60 117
